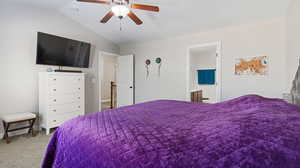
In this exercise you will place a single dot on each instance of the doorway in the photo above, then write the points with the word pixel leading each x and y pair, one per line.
pixel 108 80
pixel 116 80
pixel 204 72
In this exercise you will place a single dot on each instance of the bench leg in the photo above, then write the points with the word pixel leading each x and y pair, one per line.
pixel 6 126
pixel 47 131
pixel 31 122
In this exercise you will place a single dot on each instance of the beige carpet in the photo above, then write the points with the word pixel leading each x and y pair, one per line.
pixel 23 151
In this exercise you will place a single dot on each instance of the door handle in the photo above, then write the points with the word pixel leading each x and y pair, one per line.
pixel 130 87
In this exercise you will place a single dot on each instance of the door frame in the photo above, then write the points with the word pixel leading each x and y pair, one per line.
pixel 100 74
pixel 218 45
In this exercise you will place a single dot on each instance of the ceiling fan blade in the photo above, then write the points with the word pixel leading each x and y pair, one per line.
pixel 107 17
pixel 135 18
pixel 95 1
pixel 145 7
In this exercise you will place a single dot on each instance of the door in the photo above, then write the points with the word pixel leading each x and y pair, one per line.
pixel 125 81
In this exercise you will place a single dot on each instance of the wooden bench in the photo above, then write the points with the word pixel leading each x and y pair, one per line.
pixel 10 119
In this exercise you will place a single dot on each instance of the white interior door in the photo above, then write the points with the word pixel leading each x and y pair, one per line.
pixel 125 80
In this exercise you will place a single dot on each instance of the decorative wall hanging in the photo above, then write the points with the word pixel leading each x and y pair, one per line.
pixel 148 62
pixel 252 66
pixel 159 62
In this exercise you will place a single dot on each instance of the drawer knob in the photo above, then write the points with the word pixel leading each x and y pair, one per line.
pixel 54 90
pixel 54 120
pixel 78 106
pixel 78 97
pixel 54 110
pixel 78 88
pixel 54 100
pixel 54 79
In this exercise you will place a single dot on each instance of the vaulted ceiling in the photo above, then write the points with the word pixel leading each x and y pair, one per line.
pixel 176 17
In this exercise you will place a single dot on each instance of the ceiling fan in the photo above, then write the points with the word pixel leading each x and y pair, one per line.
pixel 121 9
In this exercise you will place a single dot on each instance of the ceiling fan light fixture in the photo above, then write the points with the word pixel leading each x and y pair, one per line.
pixel 120 10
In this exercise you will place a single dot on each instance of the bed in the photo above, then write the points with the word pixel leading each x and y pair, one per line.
pixel 248 132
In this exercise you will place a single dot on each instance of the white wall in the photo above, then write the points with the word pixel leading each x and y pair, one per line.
pixel 109 74
pixel 293 42
pixel 19 25
pixel 203 59
pixel 264 38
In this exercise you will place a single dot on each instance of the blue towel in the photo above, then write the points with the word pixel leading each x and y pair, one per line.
pixel 206 77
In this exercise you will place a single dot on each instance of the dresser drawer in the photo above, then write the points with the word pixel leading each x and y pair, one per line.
pixel 65 99
pixel 60 80
pixel 65 108
pixel 57 120
pixel 65 89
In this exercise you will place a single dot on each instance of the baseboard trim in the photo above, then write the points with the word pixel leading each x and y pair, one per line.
pixel 105 101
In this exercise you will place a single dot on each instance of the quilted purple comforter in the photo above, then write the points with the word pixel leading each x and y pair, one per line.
pixel 247 132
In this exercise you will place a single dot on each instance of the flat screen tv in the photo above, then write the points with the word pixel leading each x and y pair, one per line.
pixel 54 50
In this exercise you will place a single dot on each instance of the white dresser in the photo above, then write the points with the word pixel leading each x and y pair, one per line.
pixel 61 98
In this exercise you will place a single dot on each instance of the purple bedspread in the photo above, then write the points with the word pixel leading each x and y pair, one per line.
pixel 247 132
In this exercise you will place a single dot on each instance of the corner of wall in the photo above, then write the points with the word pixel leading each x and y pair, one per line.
pixel 291 39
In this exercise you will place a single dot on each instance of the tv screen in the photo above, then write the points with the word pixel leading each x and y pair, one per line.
pixel 54 50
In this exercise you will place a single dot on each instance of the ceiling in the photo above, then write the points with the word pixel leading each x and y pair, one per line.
pixel 176 17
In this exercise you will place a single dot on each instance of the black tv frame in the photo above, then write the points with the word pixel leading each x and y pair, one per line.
pixel 60 66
